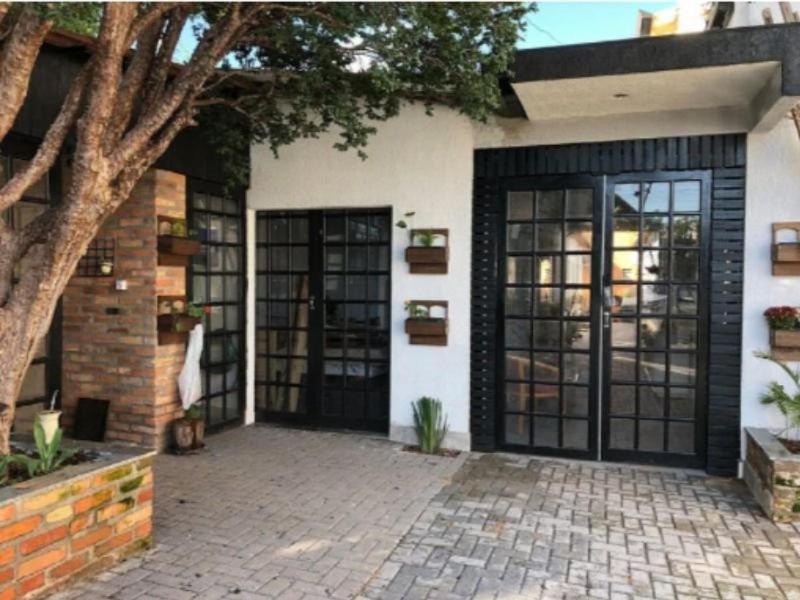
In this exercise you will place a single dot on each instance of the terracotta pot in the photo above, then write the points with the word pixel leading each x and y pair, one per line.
pixel 189 434
pixel 49 421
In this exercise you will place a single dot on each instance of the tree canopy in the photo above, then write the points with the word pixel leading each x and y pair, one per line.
pixel 266 72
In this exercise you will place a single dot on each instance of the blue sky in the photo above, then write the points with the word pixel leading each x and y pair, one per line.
pixel 559 23
pixel 554 24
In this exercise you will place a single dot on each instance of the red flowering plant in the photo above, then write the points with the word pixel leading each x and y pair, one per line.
pixel 782 317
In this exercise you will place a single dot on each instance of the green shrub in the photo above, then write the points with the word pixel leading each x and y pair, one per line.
pixel 49 457
pixel 788 403
pixel 430 424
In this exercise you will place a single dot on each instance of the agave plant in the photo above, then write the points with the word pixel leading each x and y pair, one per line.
pixel 430 424
pixel 776 395
pixel 49 457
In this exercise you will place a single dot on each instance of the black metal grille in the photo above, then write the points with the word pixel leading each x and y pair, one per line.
pixel 98 260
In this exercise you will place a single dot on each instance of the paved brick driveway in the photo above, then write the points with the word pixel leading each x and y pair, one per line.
pixel 514 527
pixel 275 513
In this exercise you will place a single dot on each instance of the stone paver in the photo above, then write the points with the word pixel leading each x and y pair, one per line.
pixel 275 513
pixel 513 527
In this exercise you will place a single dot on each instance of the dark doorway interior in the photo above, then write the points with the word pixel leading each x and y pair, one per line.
pixel 322 318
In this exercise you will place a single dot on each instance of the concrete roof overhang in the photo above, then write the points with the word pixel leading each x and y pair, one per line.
pixel 752 75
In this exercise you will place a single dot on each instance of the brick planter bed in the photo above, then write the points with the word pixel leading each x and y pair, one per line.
pixel 76 521
pixel 773 475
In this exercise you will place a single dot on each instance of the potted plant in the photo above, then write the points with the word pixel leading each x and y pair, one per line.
pixel 182 316
pixel 428 250
pixel 190 429
pixel 424 328
pixel 175 247
pixel 772 457
pixel 48 419
pixel 784 329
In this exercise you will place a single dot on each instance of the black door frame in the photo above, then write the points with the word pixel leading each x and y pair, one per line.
pixel 313 417
pixel 698 459
pixel 600 353
pixel 535 184
pixel 193 185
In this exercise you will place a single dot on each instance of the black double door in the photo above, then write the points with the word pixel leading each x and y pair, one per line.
pixel 322 317
pixel 604 320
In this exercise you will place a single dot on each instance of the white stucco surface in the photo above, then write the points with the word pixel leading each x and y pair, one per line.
pixel 415 163
pixel 423 164
pixel 773 194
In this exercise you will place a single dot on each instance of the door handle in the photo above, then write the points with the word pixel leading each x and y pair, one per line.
pixel 312 302
pixel 608 303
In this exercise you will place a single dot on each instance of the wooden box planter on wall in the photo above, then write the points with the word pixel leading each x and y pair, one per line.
pixel 174 328
pixel 785 344
pixel 786 255
pixel 427 331
pixel 175 250
pixel 428 260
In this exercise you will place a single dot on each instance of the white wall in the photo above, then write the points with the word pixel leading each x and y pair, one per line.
pixel 415 163
pixel 773 194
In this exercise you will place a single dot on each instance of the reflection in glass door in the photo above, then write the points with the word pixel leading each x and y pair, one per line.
pixel 322 317
pixel 655 335
pixel 550 259
pixel 604 319
pixel 217 280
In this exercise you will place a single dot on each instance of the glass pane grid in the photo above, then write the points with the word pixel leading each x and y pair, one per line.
pixel 547 311
pixel 217 276
pixel 356 299
pixel 655 319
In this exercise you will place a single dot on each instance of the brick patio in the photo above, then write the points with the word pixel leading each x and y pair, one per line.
pixel 276 513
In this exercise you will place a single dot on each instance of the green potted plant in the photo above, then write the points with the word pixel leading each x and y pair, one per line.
pixel 422 326
pixel 428 251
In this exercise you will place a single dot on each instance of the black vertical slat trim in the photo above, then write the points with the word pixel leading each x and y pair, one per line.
pixel 725 156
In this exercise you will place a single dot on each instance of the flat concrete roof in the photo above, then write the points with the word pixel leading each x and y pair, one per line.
pixel 751 75
pixel 718 47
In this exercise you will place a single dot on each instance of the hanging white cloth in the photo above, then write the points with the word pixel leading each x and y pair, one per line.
pixel 190 386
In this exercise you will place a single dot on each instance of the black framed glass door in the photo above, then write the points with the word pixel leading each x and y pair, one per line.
pixel 322 317
pixel 656 322
pixel 549 308
pixel 217 280
pixel 604 321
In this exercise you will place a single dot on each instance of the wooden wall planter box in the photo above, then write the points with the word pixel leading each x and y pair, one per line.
pixel 76 521
pixel 176 251
pixel 785 344
pixel 785 255
pixel 428 260
pixel 179 323
pixel 773 475
pixel 427 332
pixel 174 329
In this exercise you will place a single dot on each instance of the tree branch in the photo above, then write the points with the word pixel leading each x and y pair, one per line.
pixel 51 145
pixel 17 60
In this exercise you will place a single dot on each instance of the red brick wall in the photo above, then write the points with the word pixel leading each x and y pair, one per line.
pixel 76 527
pixel 116 357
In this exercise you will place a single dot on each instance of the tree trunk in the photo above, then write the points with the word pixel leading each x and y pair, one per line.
pixel 14 350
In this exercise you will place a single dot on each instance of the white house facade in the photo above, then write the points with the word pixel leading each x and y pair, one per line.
pixel 609 257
